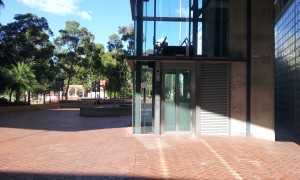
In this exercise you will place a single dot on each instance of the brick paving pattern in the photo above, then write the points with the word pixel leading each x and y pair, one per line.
pixel 59 144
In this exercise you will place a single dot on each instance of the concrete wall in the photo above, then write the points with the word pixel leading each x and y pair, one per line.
pixel 262 65
pixel 237 28
pixel 238 98
pixel 237 42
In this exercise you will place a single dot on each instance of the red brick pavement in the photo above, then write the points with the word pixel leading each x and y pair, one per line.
pixel 59 144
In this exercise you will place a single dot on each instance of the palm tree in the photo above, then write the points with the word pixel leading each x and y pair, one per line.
pixel 22 78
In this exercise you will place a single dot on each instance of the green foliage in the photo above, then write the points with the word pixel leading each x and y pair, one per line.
pixel 22 78
pixel 25 40
pixel 5 78
pixel 4 101
pixel 127 33
pixel 117 70
pixel 29 61
pixel 75 46
pixel 114 43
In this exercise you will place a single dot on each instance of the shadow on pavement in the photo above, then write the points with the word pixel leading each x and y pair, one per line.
pixel 60 120
pixel 17 176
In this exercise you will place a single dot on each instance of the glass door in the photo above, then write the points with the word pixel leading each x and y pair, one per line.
pixel 176 104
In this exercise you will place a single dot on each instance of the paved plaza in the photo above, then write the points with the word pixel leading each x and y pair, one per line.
pixel 60 144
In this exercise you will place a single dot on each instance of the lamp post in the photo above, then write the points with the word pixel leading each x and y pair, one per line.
pixel 59 86
pixel 95 89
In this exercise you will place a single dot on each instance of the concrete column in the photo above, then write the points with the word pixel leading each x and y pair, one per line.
pixel 262 70
pixel 237 42
pixel 237 28
pixel 238 98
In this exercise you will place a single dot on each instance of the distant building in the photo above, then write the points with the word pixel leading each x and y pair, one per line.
pixel 75 92
pixel 219 78
pixel 287 63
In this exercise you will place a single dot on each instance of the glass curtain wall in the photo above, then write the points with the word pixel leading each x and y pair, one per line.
pixel 167 23
pixel 287 68
pixel 215 28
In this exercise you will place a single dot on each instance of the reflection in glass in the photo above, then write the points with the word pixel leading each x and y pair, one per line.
pixel 169 105
pixel 184 100
pixel 177 115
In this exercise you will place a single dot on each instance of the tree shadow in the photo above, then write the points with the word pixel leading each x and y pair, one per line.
pixel 37 176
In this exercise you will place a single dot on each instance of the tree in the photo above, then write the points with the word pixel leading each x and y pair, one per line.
pixel 114 43
pixel 121 79
pixel 92 66
pixel 127 35
pixel 73 46
pixel 47 73
pixel 25 40
pixel 1 3
pixel 4 79
pixel 22 78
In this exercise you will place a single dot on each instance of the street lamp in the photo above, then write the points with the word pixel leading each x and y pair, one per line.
pixel 59 86
pixel 96 88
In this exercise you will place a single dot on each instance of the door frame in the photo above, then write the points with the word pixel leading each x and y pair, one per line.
pixel 179 66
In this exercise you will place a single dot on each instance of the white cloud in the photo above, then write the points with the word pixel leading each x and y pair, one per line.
pixel 59 7
pixel 84 15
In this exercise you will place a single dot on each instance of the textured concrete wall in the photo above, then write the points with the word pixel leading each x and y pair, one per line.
pixel 262 65
pixel 237 49
pixel 237 28
pixel 238 98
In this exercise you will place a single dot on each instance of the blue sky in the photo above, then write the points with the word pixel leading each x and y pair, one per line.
pixel 100 17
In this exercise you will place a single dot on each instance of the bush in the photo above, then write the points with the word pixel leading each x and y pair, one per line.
pixel 4 102
pixel 20 103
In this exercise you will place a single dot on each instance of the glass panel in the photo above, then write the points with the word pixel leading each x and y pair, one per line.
pixel 184 100
pixel 215 28
pixel 176 8
pixel 172 22
pixel 170 105
pixel 175 32
pixel 147 98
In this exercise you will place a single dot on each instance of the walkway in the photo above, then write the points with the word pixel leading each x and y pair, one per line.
pixel 59 144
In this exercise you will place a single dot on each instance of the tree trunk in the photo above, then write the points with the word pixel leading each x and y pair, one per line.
pixel 17 95
pixel 67 89
pixel 29 97
pixel 10 94
pixel 44 98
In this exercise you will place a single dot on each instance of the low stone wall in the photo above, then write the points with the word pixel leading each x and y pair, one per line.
pixel 45 106
pixel 105 111
pixel 28 108
pixel 76 104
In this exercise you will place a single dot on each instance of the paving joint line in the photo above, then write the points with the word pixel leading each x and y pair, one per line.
pixel 222 160
pixel 162 161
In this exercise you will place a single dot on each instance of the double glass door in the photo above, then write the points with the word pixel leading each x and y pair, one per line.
pixel 177 101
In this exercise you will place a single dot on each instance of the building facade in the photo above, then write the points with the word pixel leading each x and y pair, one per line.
pixel 287 63
pixel 203 67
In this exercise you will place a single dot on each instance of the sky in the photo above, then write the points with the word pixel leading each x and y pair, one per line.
pixel 101 17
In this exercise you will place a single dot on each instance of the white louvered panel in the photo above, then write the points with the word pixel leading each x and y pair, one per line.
pixel 214 99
